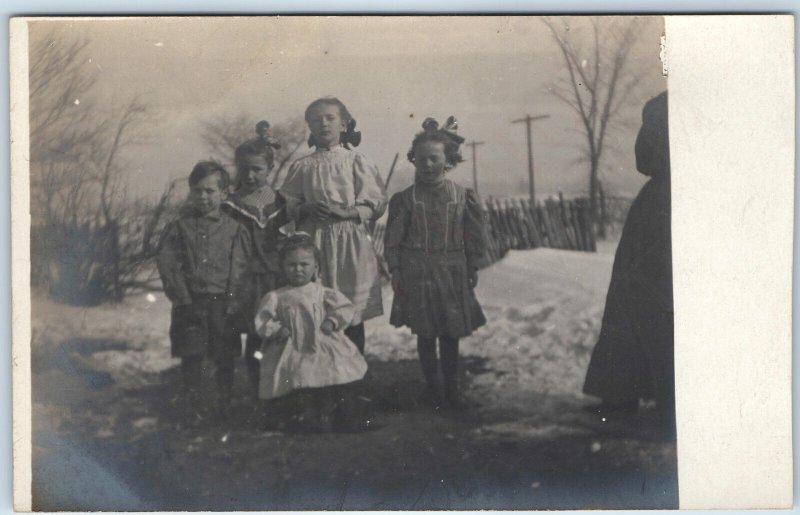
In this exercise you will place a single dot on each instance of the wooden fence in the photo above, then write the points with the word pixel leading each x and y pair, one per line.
pixel 613 212
pixel 516 224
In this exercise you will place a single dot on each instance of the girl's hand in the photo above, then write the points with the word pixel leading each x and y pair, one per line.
pixel 327 326
pixel 473 277
pixel 322 211
pixel 305 210
pixel 396 284
pixel 283 334
pixel 314 210
pixel 344 213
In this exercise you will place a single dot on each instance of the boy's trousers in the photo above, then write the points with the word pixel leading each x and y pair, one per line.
pixel 200 330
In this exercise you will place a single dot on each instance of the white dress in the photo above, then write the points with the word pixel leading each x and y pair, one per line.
pixel 309 358
pixel 343 178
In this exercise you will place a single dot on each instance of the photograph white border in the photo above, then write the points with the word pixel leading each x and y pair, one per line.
pixel 731 81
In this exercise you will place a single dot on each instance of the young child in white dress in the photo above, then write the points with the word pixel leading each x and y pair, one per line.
pixel 333 194
pixel 305 350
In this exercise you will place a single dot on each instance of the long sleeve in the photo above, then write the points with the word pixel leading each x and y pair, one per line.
pixel 475 237
pixel 338 308
pixel 292 191
pixel 266 324
pixel 396 229
pixel 239 282
pixel 370 191
pixel 170 267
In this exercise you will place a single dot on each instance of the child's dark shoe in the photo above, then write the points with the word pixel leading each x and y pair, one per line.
pixel 454 399
pixel 310 423
pixel 432 398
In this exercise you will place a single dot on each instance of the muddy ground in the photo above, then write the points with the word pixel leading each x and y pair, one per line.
pixel 108 435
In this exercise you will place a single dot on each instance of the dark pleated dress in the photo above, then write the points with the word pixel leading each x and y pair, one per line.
pixel 434 235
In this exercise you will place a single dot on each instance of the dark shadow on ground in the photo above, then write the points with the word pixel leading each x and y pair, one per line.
pixel 99 446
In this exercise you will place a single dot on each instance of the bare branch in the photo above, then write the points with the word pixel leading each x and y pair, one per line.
pixel 221 136
pixel 133 112
pixel 597 95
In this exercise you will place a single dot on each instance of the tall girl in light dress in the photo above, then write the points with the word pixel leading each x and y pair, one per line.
pixel 333 194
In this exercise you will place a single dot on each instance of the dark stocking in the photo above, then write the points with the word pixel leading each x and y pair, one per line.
pixel 356 335
pixel 225 375
pixel 426 347
pixel 192 371
pixel 448 355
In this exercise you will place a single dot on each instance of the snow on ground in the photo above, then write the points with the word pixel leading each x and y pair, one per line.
pixel 128 340
pixel 544 309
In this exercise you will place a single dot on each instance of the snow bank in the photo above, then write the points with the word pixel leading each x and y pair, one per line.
pixel 544 309
pixel 129 340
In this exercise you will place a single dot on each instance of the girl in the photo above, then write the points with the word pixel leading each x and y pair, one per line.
pixel 305 349
pixel 435 242
pixel 255 205
pixel 332 194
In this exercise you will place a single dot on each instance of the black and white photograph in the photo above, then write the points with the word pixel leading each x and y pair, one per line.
pixel 350 263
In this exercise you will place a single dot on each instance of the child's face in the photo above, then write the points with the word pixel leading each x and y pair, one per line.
pixel 299 267
pixel 206 195
pixel 253 172
pixel 430 162
pixel 326 125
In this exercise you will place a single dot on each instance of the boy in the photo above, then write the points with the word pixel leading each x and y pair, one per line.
pixel 201 256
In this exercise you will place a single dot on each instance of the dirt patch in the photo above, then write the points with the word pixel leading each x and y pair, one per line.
pixel 109 435
pixel 130 444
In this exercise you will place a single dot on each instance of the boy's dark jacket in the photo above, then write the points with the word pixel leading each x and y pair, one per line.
pixel 203 255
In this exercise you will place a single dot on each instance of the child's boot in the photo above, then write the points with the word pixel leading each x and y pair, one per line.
pixel 192 409
pixel 453 395
pixel 192 399
pixel 225 369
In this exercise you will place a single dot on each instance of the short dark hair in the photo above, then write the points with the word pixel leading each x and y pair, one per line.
pixel 452 152
pixel 255 148
pixel 205 169
pixel 299 241
pixel 328 101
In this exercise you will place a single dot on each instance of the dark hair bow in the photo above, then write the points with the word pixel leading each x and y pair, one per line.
pixel 449 129
pixel 262 131
pixel 351 136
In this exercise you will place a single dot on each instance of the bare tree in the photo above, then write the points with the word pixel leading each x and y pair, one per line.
pixel 85 234
pixel 221 136
pixel 598 82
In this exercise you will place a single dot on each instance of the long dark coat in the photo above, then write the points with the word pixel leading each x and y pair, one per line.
pixel 634 355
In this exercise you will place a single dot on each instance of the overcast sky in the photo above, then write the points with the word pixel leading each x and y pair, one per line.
pixel 391 74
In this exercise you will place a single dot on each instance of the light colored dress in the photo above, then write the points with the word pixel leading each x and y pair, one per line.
pixel 343 178
pixel 309 358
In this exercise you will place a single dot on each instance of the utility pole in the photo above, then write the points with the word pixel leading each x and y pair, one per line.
pixel 474 144
pixel 528 120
